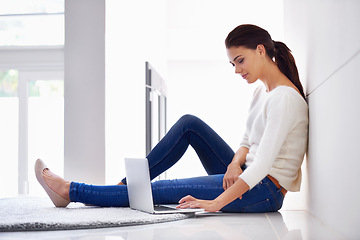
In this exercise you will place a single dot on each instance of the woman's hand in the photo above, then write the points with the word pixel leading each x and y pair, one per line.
pixel 232 175
pixel 191 202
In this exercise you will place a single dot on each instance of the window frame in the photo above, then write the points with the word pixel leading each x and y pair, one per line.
pixel 31 63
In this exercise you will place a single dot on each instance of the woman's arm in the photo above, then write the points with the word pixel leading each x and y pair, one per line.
pixel 233 192
pixel 234 169
pixel 234 186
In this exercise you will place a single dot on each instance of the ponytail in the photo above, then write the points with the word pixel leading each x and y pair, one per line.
pixel 286 63
pixel 250 36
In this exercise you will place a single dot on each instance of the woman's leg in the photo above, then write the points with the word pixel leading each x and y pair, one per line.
pixel 264 197
pixel 104 196
pixel 109 196
pixel 214 153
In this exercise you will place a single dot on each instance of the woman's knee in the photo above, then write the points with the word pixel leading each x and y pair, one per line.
pixel 189 120
pixel 187 117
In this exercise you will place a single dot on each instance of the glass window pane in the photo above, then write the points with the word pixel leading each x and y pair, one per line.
pixel 9 108
pixel 33 6
pixel 43 88
pixel 32 30
pixel 8 83
pixel 46 127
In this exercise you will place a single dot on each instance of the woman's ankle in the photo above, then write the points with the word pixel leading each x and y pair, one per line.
pixel 57 184
pixel 66 191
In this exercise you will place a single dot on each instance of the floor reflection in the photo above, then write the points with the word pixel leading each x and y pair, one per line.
pixel 284 225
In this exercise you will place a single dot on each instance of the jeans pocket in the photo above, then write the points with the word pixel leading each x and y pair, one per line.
pixel 260 207
pixel 275 194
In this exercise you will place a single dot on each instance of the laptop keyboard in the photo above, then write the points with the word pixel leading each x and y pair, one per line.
pixel 162 208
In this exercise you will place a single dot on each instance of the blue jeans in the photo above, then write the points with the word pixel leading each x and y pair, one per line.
pixel 214 154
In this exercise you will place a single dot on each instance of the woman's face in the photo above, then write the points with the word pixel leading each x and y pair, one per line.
pixel 247 62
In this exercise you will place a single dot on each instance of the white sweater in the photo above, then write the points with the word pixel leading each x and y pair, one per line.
pixel 276 136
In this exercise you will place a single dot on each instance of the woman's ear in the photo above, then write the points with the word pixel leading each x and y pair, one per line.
pixel 261 49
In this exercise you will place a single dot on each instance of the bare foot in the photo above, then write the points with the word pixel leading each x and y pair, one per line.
pixel 56 183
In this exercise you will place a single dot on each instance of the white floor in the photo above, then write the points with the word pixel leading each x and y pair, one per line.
pixel 286 224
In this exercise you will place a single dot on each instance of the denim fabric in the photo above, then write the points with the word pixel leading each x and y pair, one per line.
pixel 214 154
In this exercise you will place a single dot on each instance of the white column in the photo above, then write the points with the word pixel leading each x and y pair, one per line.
pixel 84 91
pixel 23 180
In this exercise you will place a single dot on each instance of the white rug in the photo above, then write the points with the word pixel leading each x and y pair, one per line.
pixel 39 214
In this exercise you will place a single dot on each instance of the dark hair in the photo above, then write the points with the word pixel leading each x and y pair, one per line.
pixel 250 36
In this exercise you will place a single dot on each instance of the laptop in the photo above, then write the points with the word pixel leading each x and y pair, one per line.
pixel 139 189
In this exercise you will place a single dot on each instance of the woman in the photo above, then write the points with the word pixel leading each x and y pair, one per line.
pixel 253 179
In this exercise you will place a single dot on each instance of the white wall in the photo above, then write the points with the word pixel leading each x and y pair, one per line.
pixel 210 90
pixel 135 33
pixel 84 62
pixel 328 35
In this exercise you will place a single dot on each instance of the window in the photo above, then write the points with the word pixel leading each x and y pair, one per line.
pixel 31 126
pixel 31 91
pixel 9 108
pixel 31 23
pixel 8 83
pixel 45 125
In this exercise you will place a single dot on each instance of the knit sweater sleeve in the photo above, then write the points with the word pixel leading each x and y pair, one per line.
pixel 245 140
pixel 280 114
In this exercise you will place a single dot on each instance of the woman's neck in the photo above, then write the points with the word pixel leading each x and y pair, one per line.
pixel 272 77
